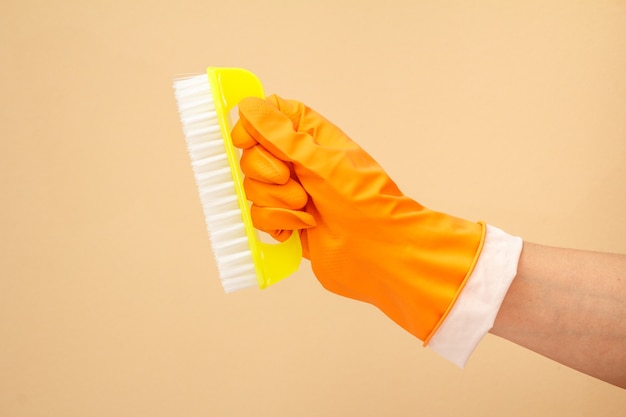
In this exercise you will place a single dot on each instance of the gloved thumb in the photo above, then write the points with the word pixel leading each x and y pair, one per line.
pixel 272 128
pixel 294 133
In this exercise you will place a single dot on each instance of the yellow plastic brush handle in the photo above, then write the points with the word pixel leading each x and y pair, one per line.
pixel 272 262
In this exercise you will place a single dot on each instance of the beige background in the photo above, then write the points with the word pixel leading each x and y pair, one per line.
pixel 512 112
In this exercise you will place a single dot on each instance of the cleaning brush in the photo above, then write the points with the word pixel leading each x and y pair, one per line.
pixel 204 105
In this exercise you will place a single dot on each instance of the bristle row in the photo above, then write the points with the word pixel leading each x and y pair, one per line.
pixel 213 175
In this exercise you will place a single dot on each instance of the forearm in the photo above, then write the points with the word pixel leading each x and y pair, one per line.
pixel 570 306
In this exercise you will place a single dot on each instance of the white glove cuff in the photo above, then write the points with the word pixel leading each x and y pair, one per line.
pixel 477 306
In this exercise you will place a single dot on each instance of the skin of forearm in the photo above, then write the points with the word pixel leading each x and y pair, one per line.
pixel 570 306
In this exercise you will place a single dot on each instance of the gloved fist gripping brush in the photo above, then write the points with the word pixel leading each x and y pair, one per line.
pixel 440 277
pixel 243 259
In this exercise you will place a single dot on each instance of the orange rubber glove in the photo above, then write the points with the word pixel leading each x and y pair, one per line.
pixel 364 238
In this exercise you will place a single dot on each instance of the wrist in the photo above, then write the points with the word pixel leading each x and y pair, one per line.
pixel 477 306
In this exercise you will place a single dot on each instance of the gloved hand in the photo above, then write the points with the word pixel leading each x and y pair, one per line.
pixel 364 238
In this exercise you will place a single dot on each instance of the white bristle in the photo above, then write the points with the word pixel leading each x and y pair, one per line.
pixel 213 175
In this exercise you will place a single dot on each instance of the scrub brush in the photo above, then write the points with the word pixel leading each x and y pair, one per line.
pixel 204 104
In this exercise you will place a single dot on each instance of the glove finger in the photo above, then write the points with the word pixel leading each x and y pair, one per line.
pixel 274 220
pixel 257 163
pixel 240 136
pixel 289 196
